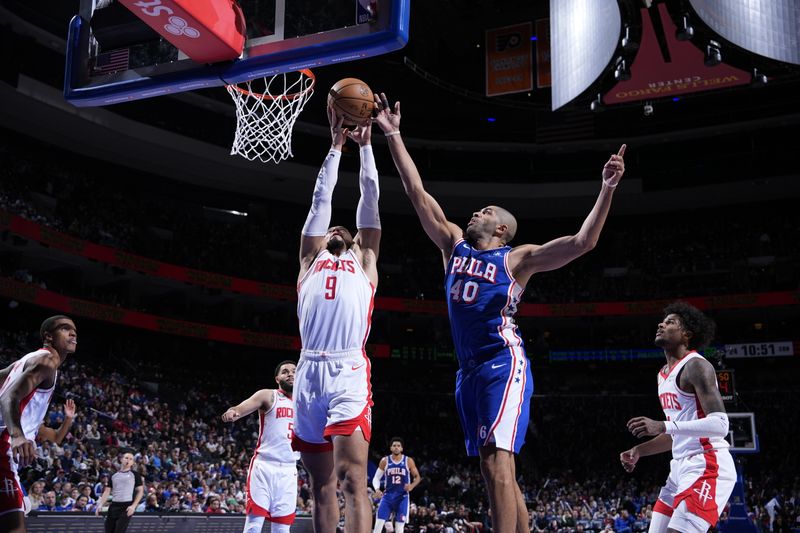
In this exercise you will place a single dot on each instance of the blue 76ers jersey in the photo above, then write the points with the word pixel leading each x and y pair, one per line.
pixel 397 476
pixel 482 298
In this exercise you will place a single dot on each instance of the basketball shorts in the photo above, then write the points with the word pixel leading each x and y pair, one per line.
pixel 396 503
pixel 704 482
pixel 11 494
pixel 333 396
pixel 493 401
pixel 272 490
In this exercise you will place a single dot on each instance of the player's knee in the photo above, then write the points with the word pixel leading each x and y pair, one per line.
pixel 351 481
pixel 324 491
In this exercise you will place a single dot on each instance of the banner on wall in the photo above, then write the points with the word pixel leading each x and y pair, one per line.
pixel 32 294
pixel 272 291
pixel 508 60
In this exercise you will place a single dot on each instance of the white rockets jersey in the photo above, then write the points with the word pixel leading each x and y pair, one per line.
pixel 34 406
pixel 334 304
pixel 679 405
pixel 275 431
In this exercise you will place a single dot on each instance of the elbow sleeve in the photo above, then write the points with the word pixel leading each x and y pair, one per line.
pixel 376 479
pixel 319 216
pixel 713 425
pixel 367 212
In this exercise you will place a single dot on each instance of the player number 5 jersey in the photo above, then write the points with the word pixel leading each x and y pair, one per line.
pixel 682 406
pixel 275 431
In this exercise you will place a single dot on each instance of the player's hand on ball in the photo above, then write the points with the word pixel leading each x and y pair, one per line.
pixel 362 134
pixel 641 426
pixel 629 459
pixel 338 131
pixel 614 168
pixel 387 118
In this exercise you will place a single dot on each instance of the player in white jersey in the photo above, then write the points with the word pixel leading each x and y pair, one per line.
pixel 272 477
pixel 26 387
pixel 336 286
pixel 702 473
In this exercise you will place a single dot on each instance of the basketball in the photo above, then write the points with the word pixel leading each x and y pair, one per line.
pixel 352 99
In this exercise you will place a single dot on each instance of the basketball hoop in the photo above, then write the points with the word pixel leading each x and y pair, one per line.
pixel 266 110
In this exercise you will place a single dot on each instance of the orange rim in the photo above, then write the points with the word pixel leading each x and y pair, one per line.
pixel 306 72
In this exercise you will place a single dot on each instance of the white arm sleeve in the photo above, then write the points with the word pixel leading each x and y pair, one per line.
pixel 376 479
pixel 319 216
pixel 713 425
pixel 367 212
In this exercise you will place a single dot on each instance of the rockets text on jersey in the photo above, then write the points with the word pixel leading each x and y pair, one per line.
pixel 679 405
pixel 334 304
pixel 275 431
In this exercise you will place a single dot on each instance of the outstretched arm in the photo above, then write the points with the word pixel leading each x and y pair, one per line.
pixel 262 399
pixel 529 259
pixel 368 220
pixel 319 216
pixel 441 231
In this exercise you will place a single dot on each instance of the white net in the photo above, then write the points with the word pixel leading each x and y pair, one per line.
pixel 266 110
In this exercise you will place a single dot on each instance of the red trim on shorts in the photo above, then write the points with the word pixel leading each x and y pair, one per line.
pixel 288 519
pixel 8 503
pixel 663 508
pixel 701 497
pixel 348 427
pixel 299 445
pixel 254 509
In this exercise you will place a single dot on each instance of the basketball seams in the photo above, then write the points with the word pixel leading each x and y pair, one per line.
pixel 352 98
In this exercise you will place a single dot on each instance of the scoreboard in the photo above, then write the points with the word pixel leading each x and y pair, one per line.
pixel 726 384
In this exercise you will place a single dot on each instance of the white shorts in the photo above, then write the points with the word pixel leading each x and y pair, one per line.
pixel 333 396
pixel 272 490
pixel 703 482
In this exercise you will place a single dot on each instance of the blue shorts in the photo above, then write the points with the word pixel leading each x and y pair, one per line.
pixel 393 503
pixel 494 400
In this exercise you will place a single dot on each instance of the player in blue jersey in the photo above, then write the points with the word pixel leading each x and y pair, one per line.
pixel 401 477
pixel 484 281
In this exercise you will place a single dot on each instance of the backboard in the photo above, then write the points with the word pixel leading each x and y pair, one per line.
pixel 742 434
pixel 112 56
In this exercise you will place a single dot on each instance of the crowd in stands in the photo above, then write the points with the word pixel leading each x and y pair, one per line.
pixel 638 257
pixel 193 462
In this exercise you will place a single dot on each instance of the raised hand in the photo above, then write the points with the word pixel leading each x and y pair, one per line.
pixel 362 134
pixel 387 118
pixel 615 168
pixel 338 132
pixel 69 408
